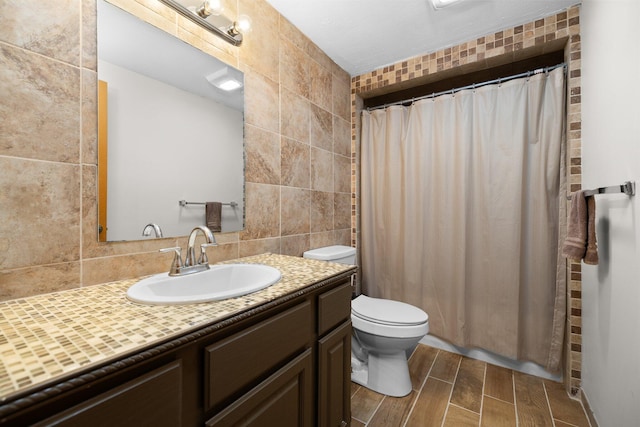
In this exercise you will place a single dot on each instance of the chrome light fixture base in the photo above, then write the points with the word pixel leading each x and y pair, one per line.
pixel 224 32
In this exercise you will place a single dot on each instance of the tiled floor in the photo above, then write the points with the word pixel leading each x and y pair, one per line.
pixel 454 391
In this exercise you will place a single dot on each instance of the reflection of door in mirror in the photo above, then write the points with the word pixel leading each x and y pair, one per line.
pixel 102 159
pixel 174 133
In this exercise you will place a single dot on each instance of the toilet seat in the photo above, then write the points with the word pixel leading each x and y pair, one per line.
pixel 388 318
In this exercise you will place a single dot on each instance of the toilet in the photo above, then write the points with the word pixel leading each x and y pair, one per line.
pixel 383 332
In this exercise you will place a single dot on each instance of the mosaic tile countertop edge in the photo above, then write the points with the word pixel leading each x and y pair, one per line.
pixel 52 335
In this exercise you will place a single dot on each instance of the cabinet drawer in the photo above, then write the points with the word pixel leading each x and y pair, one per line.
pixel 237 363
pixel 283 400
pixel 152 399
pixel 334 307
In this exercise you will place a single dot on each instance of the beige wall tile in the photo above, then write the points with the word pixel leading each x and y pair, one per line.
pixel 342 211
pixel 50 28
pixel 294 68
pixel 89 117
pixel 39 213
pixel 89 35
pixel 321 170
pixel 294 116
pixel 256 247
pixel 262 150
pixel 320 128
pixel 341 102
pixel 342 174
pixel 295 211
pixel 223 252
pixel 109 269
pixel 325 238
pixel 290 33
pixel 342 237
pixel 261 101
pixel 28 281
pixel 321 83
pixel 295 163
pixel 260 48
pixel 295 245
pixel 320 57
pixel 40 103
pixel 341 136
pixel 322 205
pixel 262 208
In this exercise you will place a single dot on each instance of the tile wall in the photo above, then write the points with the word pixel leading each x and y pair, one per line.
pixel 557 32
pixel 297 143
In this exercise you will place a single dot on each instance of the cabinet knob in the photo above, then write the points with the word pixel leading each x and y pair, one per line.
pixel 343 424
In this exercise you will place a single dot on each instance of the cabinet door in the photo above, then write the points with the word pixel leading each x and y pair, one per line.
pixel 334 377
pixel 282 400
pixel 154 399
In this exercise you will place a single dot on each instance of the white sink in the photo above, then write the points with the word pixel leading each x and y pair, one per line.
pixel 218 283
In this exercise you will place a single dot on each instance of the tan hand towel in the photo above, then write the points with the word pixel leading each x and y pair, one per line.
pixel 591 255
pixel 575 244
pixel 213 216
pixel 580 242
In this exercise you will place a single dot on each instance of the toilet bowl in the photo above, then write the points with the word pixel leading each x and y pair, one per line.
pixel 383 330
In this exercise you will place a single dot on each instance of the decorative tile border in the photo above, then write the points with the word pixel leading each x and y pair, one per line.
pixel 554 32
pixel 47 336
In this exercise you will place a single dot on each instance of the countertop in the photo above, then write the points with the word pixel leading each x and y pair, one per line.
pixel 53 335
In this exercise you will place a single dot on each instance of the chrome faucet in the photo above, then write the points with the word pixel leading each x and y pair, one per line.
pixel 190 265
pixel 156 229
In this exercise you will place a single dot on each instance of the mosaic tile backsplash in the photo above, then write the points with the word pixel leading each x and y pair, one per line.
pixel 46 336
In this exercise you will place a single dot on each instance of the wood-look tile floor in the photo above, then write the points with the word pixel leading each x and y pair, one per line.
pixel 450 390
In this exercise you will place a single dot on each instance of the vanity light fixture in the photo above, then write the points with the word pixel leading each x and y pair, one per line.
pixel 208 8
pixel 439 4
pixel 223 79
pixel 209 16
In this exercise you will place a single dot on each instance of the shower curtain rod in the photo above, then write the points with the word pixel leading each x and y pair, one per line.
pixel 471 86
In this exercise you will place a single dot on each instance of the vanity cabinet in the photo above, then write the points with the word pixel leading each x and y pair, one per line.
pixel 151 399
pixel 284 363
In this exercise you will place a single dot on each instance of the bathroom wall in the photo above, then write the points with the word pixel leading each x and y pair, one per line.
pixel 298 186
pixel 611 155
pixel 557 32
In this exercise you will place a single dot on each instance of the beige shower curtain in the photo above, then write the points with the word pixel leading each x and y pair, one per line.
pixel 462 213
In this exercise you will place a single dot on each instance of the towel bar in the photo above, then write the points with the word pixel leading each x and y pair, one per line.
pixel 628 188
pixel 185 203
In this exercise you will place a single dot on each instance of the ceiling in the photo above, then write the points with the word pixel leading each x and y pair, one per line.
pixel 364 35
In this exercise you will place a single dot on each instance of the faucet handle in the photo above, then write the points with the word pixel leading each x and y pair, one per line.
pixel 203 252
pixel 176 265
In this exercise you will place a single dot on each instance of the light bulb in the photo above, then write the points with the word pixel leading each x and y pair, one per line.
pixel 242 25
pixel 210 7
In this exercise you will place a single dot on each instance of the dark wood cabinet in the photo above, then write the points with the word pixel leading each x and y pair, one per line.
pixel 152 399
pixel 334 377
pixel 283 400
pixel 285 363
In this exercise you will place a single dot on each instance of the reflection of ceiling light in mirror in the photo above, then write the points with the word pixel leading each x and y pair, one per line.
pixel 224 80
pixel 439 4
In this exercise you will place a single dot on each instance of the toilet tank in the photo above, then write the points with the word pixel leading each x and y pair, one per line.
pixel 338 253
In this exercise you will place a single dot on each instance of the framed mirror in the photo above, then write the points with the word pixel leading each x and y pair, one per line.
pixel 171 127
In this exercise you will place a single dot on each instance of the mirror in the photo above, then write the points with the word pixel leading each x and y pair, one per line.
pixel 167 132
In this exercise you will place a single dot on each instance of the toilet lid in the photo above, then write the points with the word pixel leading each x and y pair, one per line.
pixel 387 312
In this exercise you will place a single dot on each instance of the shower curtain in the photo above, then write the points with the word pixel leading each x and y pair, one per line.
pixel 462 214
